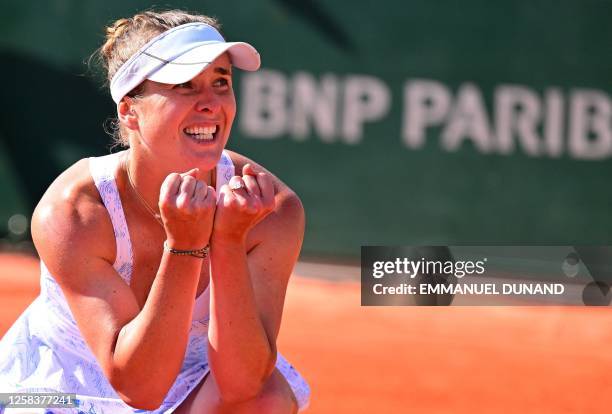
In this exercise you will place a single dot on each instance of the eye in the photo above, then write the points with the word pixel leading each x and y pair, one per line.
pixel 221 82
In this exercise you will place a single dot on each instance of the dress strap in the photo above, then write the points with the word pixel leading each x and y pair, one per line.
pixel 225 170
pixel 103 170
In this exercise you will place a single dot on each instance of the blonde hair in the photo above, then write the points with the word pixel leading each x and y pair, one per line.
pixel 126 36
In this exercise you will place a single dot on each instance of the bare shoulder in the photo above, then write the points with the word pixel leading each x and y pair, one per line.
pixel 74 237
pixel 288 216
pixel 71 221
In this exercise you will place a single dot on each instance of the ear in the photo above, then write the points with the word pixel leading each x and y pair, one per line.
pixel 126 113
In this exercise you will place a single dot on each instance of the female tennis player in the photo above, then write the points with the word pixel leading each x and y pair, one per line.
pixel 164 266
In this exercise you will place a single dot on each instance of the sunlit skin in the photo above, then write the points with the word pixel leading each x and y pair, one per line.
pixel 141 330
pixel 164 111
pixel 159 116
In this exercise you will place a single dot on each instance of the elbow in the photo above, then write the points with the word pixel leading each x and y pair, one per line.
pixel 138 383
pixel 240 393
pixel 140 400
pixel 142 404
pixel 142 395
pixel 234 391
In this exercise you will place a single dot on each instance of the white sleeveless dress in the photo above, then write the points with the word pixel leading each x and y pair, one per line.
pixel 44 351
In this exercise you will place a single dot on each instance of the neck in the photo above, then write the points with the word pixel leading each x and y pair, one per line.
pixel 144 177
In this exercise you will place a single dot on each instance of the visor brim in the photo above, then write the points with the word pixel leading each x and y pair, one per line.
pixel 190 64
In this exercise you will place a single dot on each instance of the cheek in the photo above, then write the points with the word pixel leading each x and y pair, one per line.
pixel 159 116
pixel 230 108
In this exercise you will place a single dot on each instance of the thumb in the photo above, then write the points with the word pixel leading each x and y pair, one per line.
pixel 193 172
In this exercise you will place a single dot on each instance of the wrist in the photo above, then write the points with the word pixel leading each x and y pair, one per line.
pixel 228 240
pixel 184 244
pixel 200 253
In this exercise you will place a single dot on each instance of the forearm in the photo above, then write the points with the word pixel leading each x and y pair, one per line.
pixel 150 349
pixel 241 353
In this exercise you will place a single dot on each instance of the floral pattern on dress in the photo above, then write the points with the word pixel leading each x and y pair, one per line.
pixel 44 350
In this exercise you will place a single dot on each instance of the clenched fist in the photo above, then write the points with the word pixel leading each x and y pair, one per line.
pixel 187 208
pixel 239 209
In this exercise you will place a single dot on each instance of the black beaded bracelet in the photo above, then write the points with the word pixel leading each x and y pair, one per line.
pixel 199 253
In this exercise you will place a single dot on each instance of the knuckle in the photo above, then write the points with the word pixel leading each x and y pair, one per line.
pixel 182 202
pixel 249 205
pixel 239 205
pixel 164 208
pixel 210 206
pixel 256 199
pixel 171 179
pixel 210 201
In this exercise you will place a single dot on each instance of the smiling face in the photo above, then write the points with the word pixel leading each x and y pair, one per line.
pixel 187 125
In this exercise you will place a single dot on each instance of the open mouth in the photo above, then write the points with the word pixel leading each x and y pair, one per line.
pixel 201 134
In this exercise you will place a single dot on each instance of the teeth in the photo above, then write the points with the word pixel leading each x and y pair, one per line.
pixel 201 130
pixel 202 137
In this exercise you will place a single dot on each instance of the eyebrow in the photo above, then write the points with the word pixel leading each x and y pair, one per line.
pixel 222 71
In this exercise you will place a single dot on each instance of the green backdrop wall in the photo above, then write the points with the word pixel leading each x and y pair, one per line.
pixel 398 122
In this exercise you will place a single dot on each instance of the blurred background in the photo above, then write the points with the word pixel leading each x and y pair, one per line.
pixel 397 123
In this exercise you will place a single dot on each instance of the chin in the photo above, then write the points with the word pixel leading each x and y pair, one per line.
pixel 204 160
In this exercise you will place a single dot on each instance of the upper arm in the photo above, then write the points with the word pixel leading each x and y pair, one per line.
pixel 74 238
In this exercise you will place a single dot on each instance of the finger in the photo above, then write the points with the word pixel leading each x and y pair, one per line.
pixel 211 195
pixel 208 195
pixel 205 194
pixel 170 186
pixel 199 193
pixel 267 187
pixel 248 169
pixel 238 187
pixel 188 186
pixel 192 173
pixel 251 185
pixel 224 192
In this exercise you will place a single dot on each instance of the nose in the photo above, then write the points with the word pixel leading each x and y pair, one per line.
pixel 207 102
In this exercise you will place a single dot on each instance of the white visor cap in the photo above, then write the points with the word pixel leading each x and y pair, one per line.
pixel 178 55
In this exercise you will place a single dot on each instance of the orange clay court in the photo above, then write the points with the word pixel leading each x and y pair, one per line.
pixel 418 359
